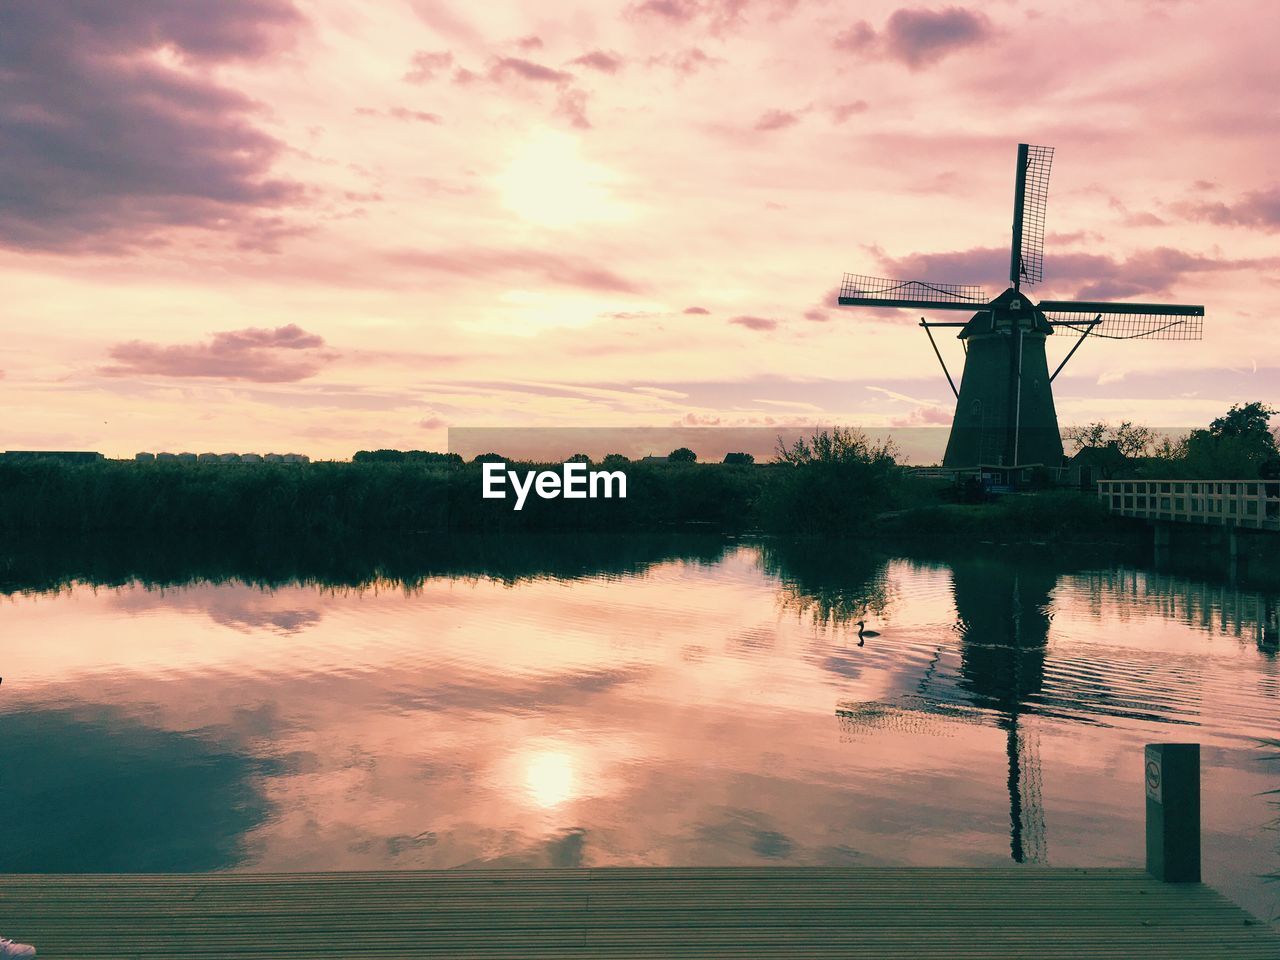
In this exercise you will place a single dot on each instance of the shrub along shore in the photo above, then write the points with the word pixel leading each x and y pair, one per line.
pixel 852 491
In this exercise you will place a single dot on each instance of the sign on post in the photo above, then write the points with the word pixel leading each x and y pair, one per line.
pixel 1154 774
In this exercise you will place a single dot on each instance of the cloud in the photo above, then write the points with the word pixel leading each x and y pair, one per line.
pixel 400 113
pixel 817 316
pixel 572 106
pixel 282 355
pixel 843 111
pixel 1143 218
pixel 433 423
pixel 1093 276
pixel 444 21
pixel 426 65
pixel 663 393
pixel 777 120
pixel 755 323
pixel 697 420
pixel 599 60
pixel 481 262
pixel 923 417
pixel 686 62
pixel 789 404
pixel 103 143
pixel 530 42
pixel 675 11
pixel 1258 209
pixel 916 37
pixel 980 265
pixel 859 38
pixel 505 67
pixel 697 310
pixel 718 16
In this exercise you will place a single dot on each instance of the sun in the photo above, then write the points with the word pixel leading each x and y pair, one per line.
pixel 549 183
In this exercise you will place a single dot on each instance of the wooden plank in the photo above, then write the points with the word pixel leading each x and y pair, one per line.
pixel 885 913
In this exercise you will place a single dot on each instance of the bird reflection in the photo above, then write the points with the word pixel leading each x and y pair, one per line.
pixel 863 632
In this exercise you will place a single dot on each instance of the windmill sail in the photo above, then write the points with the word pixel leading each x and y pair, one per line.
pixel 1030 195
pixel 1126 321
pixel 860 290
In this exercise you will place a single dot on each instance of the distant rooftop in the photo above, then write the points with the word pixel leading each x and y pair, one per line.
pixel 146 457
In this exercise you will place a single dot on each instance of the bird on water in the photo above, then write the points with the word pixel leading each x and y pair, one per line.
pixel 863 632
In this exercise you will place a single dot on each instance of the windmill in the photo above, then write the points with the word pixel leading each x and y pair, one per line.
pixel 1004 405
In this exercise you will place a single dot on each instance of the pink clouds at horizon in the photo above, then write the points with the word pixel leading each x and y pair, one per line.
pixel 278 223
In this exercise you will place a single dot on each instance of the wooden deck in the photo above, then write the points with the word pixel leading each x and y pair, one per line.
pixel 920 913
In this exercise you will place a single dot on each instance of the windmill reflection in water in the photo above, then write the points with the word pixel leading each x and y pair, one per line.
pixel 1003 621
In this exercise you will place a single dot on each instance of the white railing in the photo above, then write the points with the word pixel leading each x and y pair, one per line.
pixel 1230 503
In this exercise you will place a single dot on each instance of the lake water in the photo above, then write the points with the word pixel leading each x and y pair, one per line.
pixel 701 707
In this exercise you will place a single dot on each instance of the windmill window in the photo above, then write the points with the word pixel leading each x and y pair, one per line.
pixel 1179 503
pixel 975 408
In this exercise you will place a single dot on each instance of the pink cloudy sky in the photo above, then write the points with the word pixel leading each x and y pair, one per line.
pixel 324 226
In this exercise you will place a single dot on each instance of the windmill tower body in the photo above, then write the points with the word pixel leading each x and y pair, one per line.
pixel 1005 414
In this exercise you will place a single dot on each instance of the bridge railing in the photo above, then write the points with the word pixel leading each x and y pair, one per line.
pixel 1229 503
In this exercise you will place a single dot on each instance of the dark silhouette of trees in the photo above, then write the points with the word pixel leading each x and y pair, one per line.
pixel 682 455
pixel 1131 439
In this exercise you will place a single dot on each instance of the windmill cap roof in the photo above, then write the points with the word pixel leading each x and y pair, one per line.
pixel 1011 304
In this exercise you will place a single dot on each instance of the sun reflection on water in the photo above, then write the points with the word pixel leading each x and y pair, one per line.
pixel 550 777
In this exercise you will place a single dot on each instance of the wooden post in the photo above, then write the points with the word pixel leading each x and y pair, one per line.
pixel 1173 811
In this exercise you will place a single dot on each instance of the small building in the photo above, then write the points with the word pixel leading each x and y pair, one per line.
pixel 145 457
pixel 167 457
pixel 250 458
pixel 187 457
pixel 273 458
pixel 652 459
pixel 296 458
pixel 1092 464
pixel 207 458
pixel 229 457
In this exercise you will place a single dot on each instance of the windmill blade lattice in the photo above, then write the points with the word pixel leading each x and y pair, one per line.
pixel 872 291
pixel 1034 199
pixel 1126 321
